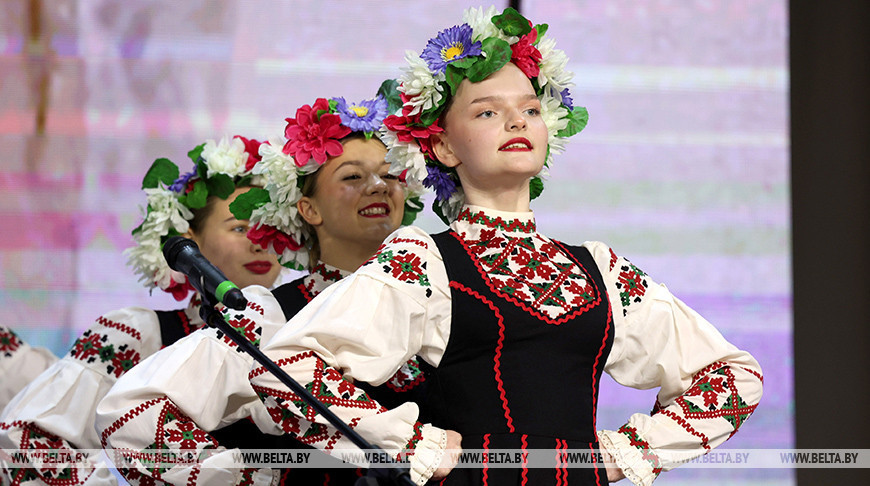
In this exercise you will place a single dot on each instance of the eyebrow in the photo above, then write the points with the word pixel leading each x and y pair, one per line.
pixel 487 99
pixel 356 163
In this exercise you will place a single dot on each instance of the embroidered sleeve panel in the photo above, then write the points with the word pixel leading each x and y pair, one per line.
pixel 19 364
pixel 27 436
pixel 396 431
pixel 158 443
pixel 117 341
pixel 707 386
pixel 403 261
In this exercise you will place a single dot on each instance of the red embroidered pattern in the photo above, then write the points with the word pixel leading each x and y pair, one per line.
pixel 631 284
pixel 121 327
pixel 9 341
pixel 534 274
pixel 714 394
pixel 512 225
pixel 705 441
pixel 637 441
pixel 51 473
pixel 403 264
pixel 92 346
pixel 317 280
pixel 327 385
pixel 408 377
pixel 117 424
pixel 497 358
pixel 411 446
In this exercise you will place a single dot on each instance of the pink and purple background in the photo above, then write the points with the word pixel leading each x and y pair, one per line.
pixel 684 166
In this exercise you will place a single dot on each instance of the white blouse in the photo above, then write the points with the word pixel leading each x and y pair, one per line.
pixel 201 382
pixel 20 364
pixel 398 304
pixel 56 410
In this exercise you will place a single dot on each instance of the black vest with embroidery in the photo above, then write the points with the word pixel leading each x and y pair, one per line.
pixel 515 378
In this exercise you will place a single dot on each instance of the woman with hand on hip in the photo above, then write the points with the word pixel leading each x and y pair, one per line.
pixel 516 327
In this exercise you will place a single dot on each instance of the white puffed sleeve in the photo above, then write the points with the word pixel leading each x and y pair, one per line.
pixel 20 364
pixel 364 328
pixel 173 399
pixel 56 410
pixel 707 386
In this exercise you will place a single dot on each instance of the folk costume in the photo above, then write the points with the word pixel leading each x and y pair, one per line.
pixel 56 411
pixel 195 397
pixel 20 363
pixel 516 327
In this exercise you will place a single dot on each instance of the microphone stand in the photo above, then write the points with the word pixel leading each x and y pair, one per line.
pixel 392 472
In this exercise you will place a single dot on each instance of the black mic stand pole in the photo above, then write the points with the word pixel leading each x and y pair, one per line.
pixel 392 471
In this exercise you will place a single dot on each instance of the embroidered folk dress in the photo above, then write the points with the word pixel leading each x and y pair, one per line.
pixel 490 301
pixel 20 364
pixel 55 412
pixel 195 395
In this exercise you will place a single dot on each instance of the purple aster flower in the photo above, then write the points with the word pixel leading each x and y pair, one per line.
pixel 441 182
pixel 365 116
pixel 566 98
pixel 181 183
pixel 450 45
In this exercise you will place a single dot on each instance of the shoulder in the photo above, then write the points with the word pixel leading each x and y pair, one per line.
pixel 406 256
pixel 118 340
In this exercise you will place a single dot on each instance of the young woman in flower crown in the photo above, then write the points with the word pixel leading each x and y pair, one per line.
pixel 19 364
pixel 516 327
pixel 327 204
pixel 56 411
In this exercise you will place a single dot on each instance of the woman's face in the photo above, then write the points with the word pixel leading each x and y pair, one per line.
pixel 356 200
pixel 223 240
pixel 493 132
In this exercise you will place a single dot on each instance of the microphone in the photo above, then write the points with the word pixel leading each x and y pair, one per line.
pixel 182 255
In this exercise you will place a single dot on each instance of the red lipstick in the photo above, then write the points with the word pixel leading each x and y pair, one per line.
pixel 375 210
pixel 259 267
pixel 519 144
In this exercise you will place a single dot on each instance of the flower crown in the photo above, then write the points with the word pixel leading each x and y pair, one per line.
pixel 219 168
pixel 309 140
pixel 480 46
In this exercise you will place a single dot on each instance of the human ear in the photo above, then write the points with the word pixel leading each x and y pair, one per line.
pixel 442 150
pixel 189 234
pixel 308 210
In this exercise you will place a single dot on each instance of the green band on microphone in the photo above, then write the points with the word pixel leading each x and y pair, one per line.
pixel 223 288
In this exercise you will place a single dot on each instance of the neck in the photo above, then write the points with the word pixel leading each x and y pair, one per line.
pixel 347 257
pixel 508 199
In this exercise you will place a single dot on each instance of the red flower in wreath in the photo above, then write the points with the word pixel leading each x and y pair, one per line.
pixel 314 133
pixel 181 290
pixel 408 128
pixel 252 147
pixel 264 235
pixel 525 55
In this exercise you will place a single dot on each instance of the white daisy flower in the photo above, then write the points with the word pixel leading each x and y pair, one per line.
pixel 226 157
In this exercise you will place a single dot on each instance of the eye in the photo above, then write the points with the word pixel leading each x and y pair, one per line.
pixel 351 177
pixel 533 111
pixel 241 228
pixel 486 114
pixel 390 177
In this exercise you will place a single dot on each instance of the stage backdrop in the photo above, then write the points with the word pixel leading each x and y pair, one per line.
pixel 683 166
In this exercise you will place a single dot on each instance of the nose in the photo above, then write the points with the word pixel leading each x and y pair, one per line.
pixel 256 248
pixel 377 184
pixel 516 121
